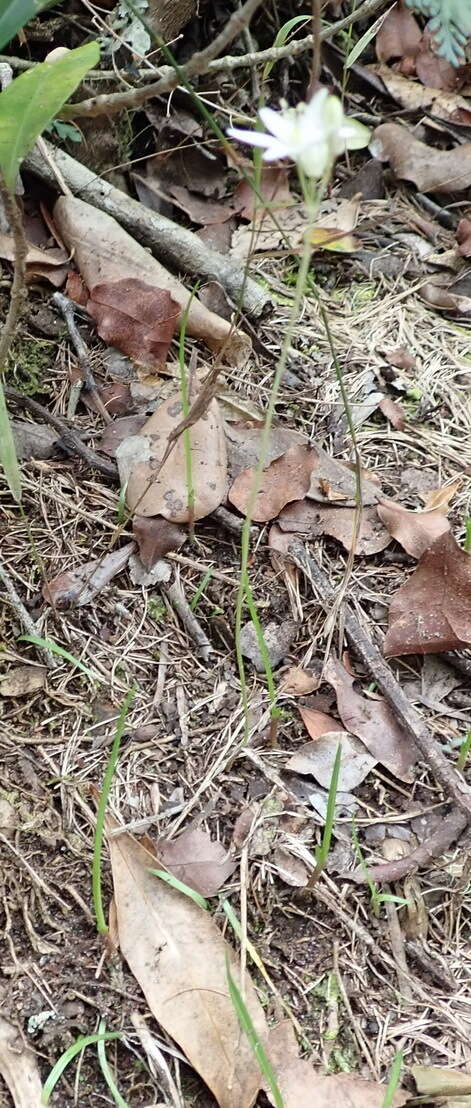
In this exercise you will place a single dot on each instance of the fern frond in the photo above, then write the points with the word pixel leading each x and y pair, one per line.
pixel 450 25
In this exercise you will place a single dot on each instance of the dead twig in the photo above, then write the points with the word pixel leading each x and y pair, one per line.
pixel 18 294
pixel 66 307
pixel 70 440
pixel 178 600
pixel 410 721
pixel 157 1062
pixel 432 847
pixel 24 617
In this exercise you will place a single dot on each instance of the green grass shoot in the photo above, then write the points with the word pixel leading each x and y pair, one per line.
pixel 68 1056
pixel 49 644
pixel 393 1080
pixel 8 458
pixel 102 926
pixel 181 887
pixel 322 851
pixel 201 587
pixel 377 898
pixel 467 537
pixel 284 34
pixel 253 1038
pixel 464 751
pixel 106 1070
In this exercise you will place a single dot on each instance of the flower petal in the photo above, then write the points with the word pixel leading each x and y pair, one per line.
pixel 313 114
pixel 280 124
pixel 314 159
pixel 275 151
pixel 252 138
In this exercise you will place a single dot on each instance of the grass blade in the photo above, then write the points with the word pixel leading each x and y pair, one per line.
pixel 323 850
pixel 252 1036
pixel 8 458
pixel 102 926
pixel 105 1069
pixel 49 644
pixel 68 1056
pixel 393 1080
pixel 181 887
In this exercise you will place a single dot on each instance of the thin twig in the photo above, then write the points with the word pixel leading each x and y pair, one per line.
pixel 70 440
pixel 110 104
pixel 410 721
pixel 24 617
pixel 66 307
pixel 157 1062
pixel 178 600
pixel 316 45
pixel 433 847
pixel 19 294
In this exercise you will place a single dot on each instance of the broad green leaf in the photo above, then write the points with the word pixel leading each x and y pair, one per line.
pixel 450 25
pixel 14 15
pixel 283 35
pixel 32 101
pixel 8 458
pixel 365 39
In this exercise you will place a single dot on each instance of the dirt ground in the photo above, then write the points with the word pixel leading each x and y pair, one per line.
pixel 361 986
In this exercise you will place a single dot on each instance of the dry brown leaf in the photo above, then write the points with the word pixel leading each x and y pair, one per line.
pixel 77 587
pixel 299 682
pixel 302 1087
pixel 51 264
pixel 23 680
pixel 178 956
pixel 372 721
pixel 415 97
pixel 292 870
pixel 463 237
pixel 167 494
pixel 317 759
pixel 307 518
pixel 156 537
pixel 118 431
pixel 244 442
pixel 400 358
pixel 19 1068
pixel 278 638
pixel 317 723
pixel 399 35
pixel 434 1082
pixel 273 187
pixel 104 253
pixel 199 208
pixel 332 480
pixel 440 498
pixel 136 318
pixel 431 613
pixel 415 531
pixel 394 412
pixel 287 478
pixel 332 231
pixel 33 440
pixel 444 298
pixel 434 71
pixel 197 860
pixel 431 170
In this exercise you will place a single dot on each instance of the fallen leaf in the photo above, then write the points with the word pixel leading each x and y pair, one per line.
pixel 399 35
pixel 105 253
pixel 244 442
pixel 431 170
pixel 299 682
pixel 77 587
pixel 160 573
pixel 292 870
pixel 178 956
pixel 415 531
pixel 317 760
pixel 22 680
pixel 301 1085
pixel 278 639
pixel 368 181
pixel 372 721
pixel 431 612
pixel 317 723
pixel 167 494
pixel 19 1068
pixel 287 478
pixel 440 498
pixel 51 264
pixel 307 518
pixel 118 431
pixel 76 289
pixel 436 296
pixel 273 188
pixel 136 318
pixel 197 860
pixel 200 209
pixel 416 97
pixel 116 397
pixel 434 71
pixel 33 440
pixel 156 537
pixel 436 1082
pixel 463 237
pixel 334 480
pixel 394 412
pixel 332 231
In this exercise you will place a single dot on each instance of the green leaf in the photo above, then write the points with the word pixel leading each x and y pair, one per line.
pixel 8 458
pixel 365 40
pixel 14 15
pixel 69 1055
pixel 283 35
pixel 32 101
pixel 450 25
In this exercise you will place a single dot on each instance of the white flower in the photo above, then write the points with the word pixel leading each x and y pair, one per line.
pixel 312 135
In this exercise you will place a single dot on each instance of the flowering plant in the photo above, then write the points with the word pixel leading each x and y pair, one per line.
pixel 312 135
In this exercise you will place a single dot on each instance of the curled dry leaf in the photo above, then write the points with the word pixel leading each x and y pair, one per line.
pixel 19 1068
pixel 156 537
pixel 244 443
pixel 434 1081
pixel 273 188
pixel 317 760
pixel 178 956
pixel 299 682
pixel 306 518
pixel 415 531
pixel 415 97
pixel 394 412
pixel 167 494
pixel 445 299
pixel 317 723
pixel 104 253
pixel 399 35
pixel 287 478
pixel 23 680
pixel 463 237
pixel 431 613
pixel 372 721
pixel 431 170
pixel 434 71
pixel 278 638
pixel 332 231
pixel 300 1084
pixel 292 870
pixel 136 318
pixel 78 587
pixel 197 860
